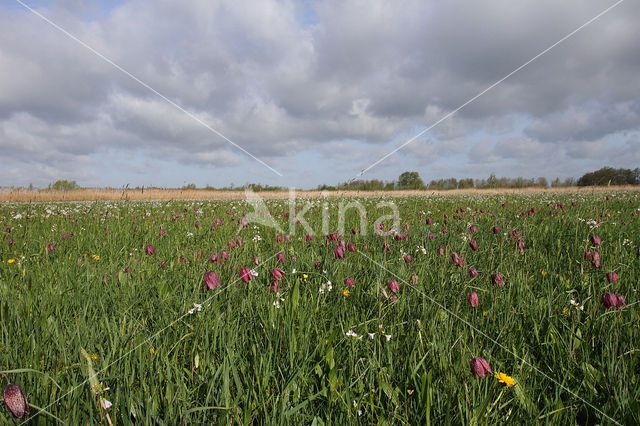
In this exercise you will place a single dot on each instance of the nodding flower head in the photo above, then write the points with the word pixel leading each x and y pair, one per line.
pixel 211 280
pixel 245 274
pixel 457 260
pixel 393 286
pixel 497 279
pixel 473 299
pixel 277 273
pixel 612 277
pixel 480 367
pixel 15 401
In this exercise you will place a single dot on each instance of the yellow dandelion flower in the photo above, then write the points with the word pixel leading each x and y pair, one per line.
pixel 305 276
pixel 544 273
pixel 485 313
pixel 95 257
pixel 345 292
pixel 94 356
pixel 507 380
pixel 152 351
pixel 11 261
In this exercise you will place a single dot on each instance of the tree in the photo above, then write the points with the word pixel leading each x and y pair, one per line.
pixel 63 185
pixel 542 182
pixel 410 180
pixel 492 182
pixel 610 176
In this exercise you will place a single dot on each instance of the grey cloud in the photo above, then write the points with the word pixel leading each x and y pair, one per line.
pixel 586 122
pixel 366 71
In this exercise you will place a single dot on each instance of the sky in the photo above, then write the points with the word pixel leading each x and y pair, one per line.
pixel 314 91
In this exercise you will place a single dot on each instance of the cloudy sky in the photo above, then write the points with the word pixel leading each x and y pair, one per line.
pixel 317 90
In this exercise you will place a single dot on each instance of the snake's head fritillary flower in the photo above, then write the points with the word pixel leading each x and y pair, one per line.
pixel 612 277
pixel 431 235
pixel 473 229
pixel 149 250
pixel 280 257
pixel 414 279
pixel 429 221
pixel 441 251
pixel 277 273
pixel 473 272
pixel 308 237
pixel 338 252
pixel 595 259
pixel 274 286
pixel 213 258
pixel 245 274
pixel 393 286
pixel 474 245
pixel 224 255
pixel 349 282
pixel 457 259
pixel 51 247
pixel 497 279
pixel 317 264
pixel 10 241
pixel 473 299
pixel 496 230
pixel 211 280
pixel 610 300
pixel 386 247
pixel 595 240
pixel 587 255
pixel 163 233
pixel 278 238
pixel 287 237
pixel 15 401
pixel 408 258
pixel 256 260
pixel 480 367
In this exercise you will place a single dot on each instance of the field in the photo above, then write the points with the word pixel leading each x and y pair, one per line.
pixel 364 321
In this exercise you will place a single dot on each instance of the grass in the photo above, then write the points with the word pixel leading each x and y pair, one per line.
pixel 253 356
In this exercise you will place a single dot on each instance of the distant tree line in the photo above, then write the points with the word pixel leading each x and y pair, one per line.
pixel 411 180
